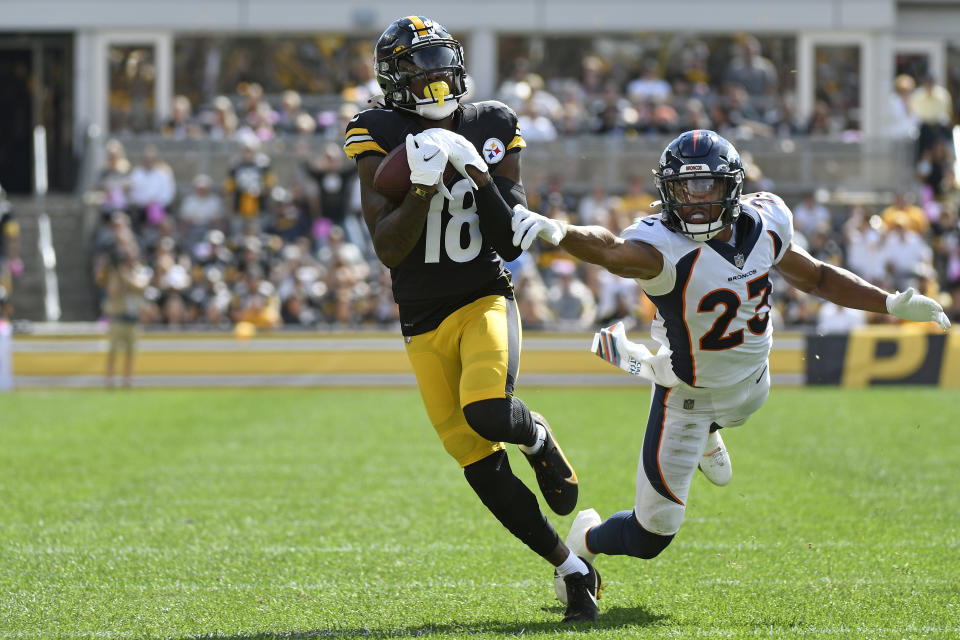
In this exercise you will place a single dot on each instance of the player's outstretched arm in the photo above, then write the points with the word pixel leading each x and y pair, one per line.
pixel 493 203
pixel 593 244
pixel 394 228
pixel 847 289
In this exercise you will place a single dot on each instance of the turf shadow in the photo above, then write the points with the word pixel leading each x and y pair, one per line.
pixel 613 618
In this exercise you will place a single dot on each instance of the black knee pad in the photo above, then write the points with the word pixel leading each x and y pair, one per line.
pixel 501 420
pixel 513 504
pixel 641 543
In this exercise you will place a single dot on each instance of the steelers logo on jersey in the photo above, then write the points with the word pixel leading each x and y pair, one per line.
pixel 493 150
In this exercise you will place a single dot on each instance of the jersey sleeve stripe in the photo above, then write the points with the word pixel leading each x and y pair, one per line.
pixel 777 245
pixel 352 149
pixel 355 131
pixel 358 138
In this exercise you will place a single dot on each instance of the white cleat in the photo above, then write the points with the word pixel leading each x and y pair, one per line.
pixel 715 462
pixel 577 543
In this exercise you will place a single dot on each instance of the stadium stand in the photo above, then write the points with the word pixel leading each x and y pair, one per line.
pixel 292 251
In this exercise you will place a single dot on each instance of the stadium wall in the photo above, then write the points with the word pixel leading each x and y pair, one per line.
pixel 874 356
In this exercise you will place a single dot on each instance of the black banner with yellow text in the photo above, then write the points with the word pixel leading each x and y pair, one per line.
pixel 884 356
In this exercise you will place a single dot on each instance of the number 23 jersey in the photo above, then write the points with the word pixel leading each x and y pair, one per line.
pixel 713 298
pixel 452 263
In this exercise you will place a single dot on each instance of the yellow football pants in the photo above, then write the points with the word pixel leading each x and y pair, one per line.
pixel 473 355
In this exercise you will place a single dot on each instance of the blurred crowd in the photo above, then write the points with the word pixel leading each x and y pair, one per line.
pixel 913 241
pixel 11 266
pixel 245 249
pixel 242 249
pixel 737 85
pixel 654 97
pixel 605 97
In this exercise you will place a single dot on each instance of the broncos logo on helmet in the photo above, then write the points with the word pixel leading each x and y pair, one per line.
pixel 419 67
pixel 700 179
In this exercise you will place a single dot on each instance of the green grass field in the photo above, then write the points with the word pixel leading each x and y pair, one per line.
pixel 311 514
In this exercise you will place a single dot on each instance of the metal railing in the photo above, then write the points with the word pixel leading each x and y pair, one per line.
pixel 48 257
pixel 878 166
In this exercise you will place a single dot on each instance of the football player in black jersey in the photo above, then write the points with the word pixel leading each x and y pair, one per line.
pixel 457 310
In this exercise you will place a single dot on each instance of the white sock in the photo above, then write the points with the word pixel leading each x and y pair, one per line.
pixel 573 564
pixel 535 447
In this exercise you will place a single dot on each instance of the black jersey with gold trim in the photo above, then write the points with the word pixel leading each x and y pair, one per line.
pixel 491 126
pixel 451 264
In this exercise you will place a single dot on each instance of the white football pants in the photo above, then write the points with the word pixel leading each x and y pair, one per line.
pixel 677 429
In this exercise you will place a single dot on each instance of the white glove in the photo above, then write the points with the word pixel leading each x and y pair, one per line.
pixel 914 306
pixel 527 225
pixel 460 151
pixel 427 159
pixel 612 345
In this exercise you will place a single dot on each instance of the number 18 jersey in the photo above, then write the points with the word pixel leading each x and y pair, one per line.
pixel 452 263
pixel 713 298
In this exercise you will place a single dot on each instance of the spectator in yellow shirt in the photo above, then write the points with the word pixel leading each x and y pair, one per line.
pixel 904 212
pixel 932 105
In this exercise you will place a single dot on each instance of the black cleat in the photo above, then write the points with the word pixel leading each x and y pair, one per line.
pixel 555 475
pixel 583 591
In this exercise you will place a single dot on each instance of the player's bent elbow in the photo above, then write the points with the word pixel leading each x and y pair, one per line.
pixel 630 270
pixel 391 262
pixel 387 255
pixel 619 269
pixel 818 283
pixel 631 260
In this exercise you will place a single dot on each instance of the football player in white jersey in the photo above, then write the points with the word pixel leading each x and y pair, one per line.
pixel 705 263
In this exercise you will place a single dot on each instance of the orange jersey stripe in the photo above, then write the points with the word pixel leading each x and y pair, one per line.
pixel 663 423
pixel 683 316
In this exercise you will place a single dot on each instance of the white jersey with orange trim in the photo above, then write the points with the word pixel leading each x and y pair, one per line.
pixel 713 298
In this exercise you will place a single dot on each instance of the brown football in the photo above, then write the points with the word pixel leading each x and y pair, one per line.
pixel 392 179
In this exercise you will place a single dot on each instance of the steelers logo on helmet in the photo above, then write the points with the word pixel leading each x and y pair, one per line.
pixel 493 150
pixel 420 68
pixel 700 179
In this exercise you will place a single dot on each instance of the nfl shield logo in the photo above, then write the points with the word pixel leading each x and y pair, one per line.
pixel 688 404
pixel 739 259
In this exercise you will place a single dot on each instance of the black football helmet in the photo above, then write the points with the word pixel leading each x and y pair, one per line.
pixel 698 170
pixel 417 47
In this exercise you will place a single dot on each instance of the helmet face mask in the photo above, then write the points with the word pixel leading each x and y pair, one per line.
pixel 420 68
pixel 700 179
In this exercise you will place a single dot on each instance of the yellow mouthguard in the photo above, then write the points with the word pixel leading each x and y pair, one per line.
pixel 437 89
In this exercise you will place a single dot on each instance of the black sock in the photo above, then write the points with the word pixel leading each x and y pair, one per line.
pixel 513 504
pixel 622 535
